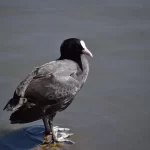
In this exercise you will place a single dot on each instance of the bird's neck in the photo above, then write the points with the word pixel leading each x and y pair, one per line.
pixel 80 60
pixel 85 69
pixel 85 64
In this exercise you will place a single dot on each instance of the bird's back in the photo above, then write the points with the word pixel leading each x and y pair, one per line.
pixel 46 90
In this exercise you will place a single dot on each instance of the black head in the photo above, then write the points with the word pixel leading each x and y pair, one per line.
pixel 72 49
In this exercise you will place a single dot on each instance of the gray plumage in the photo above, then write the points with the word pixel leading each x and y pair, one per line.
pixel 48 89
pixel 51 88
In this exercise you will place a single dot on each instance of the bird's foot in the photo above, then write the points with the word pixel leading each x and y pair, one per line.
pixel 56 141
pixel 56 145
pixel 52 146
pixel 61 135
pixel 62 138
pixel 47 139
pixel 46 142
pixel 58 129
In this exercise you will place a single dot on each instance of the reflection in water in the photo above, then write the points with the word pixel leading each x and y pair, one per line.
pixel 26 138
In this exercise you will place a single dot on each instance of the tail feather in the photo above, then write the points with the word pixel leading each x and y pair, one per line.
pixel 11 103
pixel 26 115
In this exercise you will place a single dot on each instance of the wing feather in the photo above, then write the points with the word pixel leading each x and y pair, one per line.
pixel 50 83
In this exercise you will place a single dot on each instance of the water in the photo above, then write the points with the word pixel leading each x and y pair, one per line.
pixel 112 110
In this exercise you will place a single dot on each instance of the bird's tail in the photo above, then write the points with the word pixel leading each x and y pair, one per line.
pixel 11 104
pixel 26 114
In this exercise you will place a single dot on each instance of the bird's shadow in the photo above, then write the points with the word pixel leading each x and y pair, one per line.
pixel 29 138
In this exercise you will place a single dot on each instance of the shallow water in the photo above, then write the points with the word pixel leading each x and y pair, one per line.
pixel 112 110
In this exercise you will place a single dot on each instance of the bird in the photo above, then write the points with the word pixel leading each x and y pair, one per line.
pixel 51 88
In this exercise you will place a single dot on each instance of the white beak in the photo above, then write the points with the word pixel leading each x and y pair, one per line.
pixel 85 51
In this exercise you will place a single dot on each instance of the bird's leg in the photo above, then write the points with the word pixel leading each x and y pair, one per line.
pixel 58 136
pixel 54 133
pixel 47 138
pixel 55 143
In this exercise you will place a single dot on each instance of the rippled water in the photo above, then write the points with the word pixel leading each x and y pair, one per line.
pixel 112 110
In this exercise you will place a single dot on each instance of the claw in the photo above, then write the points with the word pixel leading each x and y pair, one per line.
pixel 70 142
pixel 55 146
pixel 47 139
pixel 63 129
pixel 60 136
pixel 65 135
pixel 57 128
pixel 63 139
pixel 52 146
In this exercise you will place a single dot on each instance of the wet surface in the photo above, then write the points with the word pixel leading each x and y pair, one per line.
pixel 28 138
pixel 112 110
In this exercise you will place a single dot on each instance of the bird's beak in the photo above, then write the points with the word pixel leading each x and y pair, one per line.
pixel 87 52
